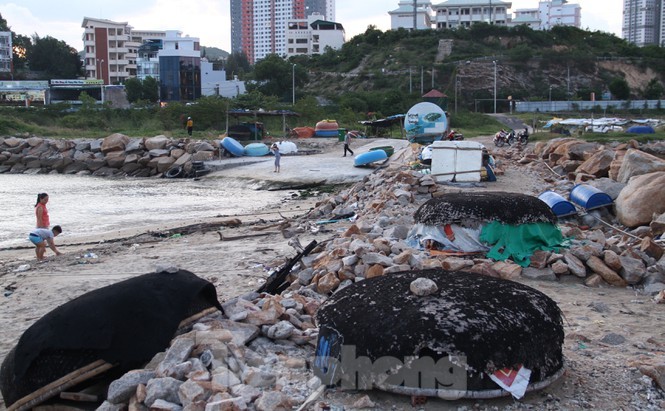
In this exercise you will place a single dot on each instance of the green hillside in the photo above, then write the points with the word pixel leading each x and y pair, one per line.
pixel 386 71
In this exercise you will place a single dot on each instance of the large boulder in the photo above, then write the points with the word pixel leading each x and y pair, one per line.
pixel 608 186
pixel 544 149
pixel 643 196
pixel 115 159
pixel 156 143
pixel 114 142
pixel 13 142
pixel 598 164
pixel 164 163
pixel 637 163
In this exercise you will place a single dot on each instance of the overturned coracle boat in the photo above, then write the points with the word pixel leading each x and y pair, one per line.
pixel 502 225
pixel 112 329
pixel 471 336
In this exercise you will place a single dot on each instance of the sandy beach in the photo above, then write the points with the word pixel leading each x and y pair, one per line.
pixel 236 253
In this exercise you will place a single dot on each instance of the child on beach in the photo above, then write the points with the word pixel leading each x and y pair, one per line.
pixel 275 150
pixel 42 236
pixel 41 212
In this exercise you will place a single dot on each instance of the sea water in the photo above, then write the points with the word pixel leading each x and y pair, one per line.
pixel 88 206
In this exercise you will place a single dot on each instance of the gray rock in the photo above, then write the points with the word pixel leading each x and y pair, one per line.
pixel 397 232
pixel 376 258
pixel 247 392
pixel 162 388
pixel 108 406
pixel 258 378
pixel 272 401
pixel 223 378
pixel 162 405
pixel 305 276
pixel 632 269
pixel 608 186
pixel 122 389
pixel 176 354
pixel 613 339
pixel 654 288
pixel 575 265
pixel 542 274
pixel 281 330
pixel 191 391
pixel 423 287
pixel 599 307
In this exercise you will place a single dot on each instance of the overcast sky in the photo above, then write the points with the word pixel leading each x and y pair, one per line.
pixel 209 19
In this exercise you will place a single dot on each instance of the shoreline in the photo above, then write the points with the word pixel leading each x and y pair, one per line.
pixel 598 374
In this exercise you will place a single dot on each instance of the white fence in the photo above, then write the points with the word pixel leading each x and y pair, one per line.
pixel 555 106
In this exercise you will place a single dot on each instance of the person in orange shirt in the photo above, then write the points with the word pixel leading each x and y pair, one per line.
pixel 190 125
pixel 41 212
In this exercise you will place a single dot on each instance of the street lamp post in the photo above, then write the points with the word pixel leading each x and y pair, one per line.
pixel 293 85
pixel 494 61
pixel 551 97
pixel 456 87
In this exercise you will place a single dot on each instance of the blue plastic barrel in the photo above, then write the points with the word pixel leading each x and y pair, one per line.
pixel 559 205
pixel 589 197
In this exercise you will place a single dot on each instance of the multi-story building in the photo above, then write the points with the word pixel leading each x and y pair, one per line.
pixel 179 67
pixel 463 13
pixel 662 23
pixel 110 50
pixel 6 53
pixel 403 16
pixel 642 21
pixel 258 27
pixel 528 17
pixel 147 55
pixel 313 35
pixel 549 14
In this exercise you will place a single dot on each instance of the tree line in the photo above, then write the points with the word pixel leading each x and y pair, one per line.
pixel 44 57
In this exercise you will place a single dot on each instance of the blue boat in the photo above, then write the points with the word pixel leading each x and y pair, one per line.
pixel 369 157
pixel 589 197
pixel 232 146
pixel 256 150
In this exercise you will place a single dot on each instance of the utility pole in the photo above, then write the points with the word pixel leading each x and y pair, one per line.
pixel 415 15
pixel 491 12
pixel 432 77
pixel 422 80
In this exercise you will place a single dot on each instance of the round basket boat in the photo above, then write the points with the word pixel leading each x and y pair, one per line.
pixel 474 325
pixel 326 128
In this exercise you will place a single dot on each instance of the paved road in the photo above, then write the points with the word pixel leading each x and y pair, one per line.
pixel 510 122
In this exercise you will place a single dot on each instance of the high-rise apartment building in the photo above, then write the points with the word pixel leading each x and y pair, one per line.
pixel 6 53
pixel 643 21
pixel 258 27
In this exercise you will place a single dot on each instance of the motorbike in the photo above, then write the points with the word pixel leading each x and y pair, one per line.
pixel 504 137
pixel 454 136
pixel 523 137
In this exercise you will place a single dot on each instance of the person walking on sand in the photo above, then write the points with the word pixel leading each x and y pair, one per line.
pixel 275 150
pixel 41 212
pixel 42 236
pixel 190 125
pixel 346 144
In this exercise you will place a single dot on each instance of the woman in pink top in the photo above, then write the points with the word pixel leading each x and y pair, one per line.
pixel 41 212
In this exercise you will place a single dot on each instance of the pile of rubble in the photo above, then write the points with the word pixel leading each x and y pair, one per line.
pixel 256 355
pixel 115 155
